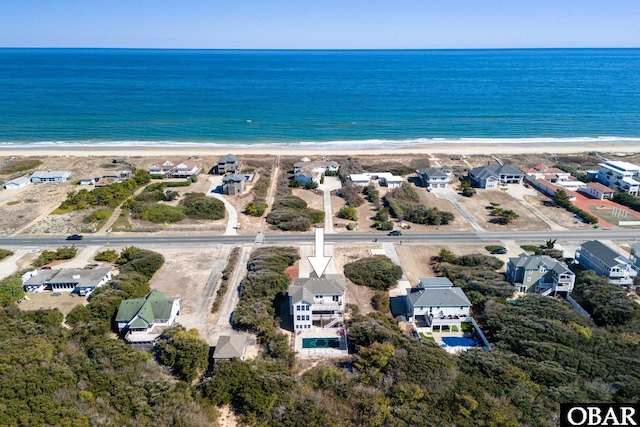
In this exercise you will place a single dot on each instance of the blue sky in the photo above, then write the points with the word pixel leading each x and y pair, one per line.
pixel 320 24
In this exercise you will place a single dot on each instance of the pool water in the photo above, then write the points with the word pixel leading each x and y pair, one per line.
pixel 459 341
pixel 320 343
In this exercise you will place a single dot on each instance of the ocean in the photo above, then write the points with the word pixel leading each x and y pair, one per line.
pixel 317 98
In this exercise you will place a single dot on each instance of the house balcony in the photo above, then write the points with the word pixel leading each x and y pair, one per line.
pixel 334 306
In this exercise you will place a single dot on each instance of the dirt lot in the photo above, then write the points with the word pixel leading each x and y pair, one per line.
pixel 27 206
pixel 184 274
pixel 249 224
pixel 313 198
pixel 430 200
pixel 416 260
pixel 355 294
pixel 557 214
pixel 43 300
pixel 476 206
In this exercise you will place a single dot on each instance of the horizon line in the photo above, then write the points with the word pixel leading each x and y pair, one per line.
pixel 319 49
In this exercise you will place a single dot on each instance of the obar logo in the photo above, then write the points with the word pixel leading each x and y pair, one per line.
pixel 599 414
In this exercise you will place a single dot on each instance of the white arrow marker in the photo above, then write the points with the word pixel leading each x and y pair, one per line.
pixel 319 262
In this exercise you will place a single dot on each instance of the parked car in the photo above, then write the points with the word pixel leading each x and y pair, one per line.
pixel 499 251
pixel 75 237
pixel 46 267
pixel 394 233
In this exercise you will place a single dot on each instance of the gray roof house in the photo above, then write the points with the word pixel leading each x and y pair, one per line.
pixel 317 301
pixel 229 347
pixel 227 164
pixel 233 184
pixel 436 302
pixel 433 177
pixel 50 176
pixel 492 175
pixel 76 280
pixel 539 274
pixel 605 261
pixel 18 183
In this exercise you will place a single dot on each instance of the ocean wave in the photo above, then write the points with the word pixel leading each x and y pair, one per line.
pixel 323 145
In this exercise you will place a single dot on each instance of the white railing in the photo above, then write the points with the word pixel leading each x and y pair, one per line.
pixel 327 307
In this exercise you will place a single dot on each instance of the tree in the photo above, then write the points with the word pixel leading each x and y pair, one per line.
pixel 10 290
pixel 348 212
pixel 4 253
pixel 467 189
pixel 142 176
pixel 311 185
pixel 503 216
pixel 550 243
pixel 446 255
pixel 561 198
pixel 108 255
pixel 295 183
pixel 377 272
pixel 183 351
pixel 256 208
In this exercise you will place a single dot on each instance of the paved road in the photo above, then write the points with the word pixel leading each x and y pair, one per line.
pixel 174 239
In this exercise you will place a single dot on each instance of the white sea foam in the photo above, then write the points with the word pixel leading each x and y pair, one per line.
pixel 336 145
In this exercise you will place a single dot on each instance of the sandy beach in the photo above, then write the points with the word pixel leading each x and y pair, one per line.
pixel 463 148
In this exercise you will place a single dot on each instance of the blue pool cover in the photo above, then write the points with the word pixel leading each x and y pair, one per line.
pixel 459 341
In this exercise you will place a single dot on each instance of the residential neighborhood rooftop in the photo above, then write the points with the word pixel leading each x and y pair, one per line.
pixel 303 289
pixel 229 347
pixel 604 253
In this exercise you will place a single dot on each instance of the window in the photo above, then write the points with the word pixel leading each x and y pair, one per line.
pixel 307 318
pixel 297 317
pixel 297 308
pixel 336 298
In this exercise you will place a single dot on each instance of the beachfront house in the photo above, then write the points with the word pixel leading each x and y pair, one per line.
pixel 621 176
pixel 17 183
pixel 550 189
pixel 555 176
pixel 229 347
pixel 75 280
pixel 598 191
pixel 434 177
pixel 50 176
pixel 142 320
pixel 384 179
pixel 227 164
pixel 493 175
pixel 176 169
pixel 312 171
pixel 539 274
pixel 317 302
pixel 606 261
pixel 233 184
pixel 436 303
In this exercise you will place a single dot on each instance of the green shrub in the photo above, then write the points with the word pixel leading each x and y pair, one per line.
pixel 19 165
pixel 108 255
pixel 391 167
pixel 10 289
pixel 184 183
pixel 371 193
pixel 4 253
pixel 380 302
pixel 199 206
pixel 157 176
pixel 111 196
pixel 256 208
pixel 142 176
pixel 532 248
pixel 295 183
pixel 351 226
pixel 64 252
pixel 290 213
pixel 348 212
pixel 404 204
pixel 102 214
pixel 183 351
pixel 159 214
pixel 377 272
pixel 491 248
pixel 311 185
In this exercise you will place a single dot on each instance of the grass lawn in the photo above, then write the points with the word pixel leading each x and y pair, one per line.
pixel 466 327
pixel 454 328
pixel 62 211
pixel 427 337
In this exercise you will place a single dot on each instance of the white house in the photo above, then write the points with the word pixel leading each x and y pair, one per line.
pixel 434 177
pixel 50 176
pixel 435 302
pixel 621 176
pixel 18 183
pixel 176 169
pixel 317 302
pixel 635 256
pixel 74 280
pixel 142 320
pixel 87 181
pixel 539 274
pixel 605 261
pixel 598 191
pixel 385 179
pixel 555 176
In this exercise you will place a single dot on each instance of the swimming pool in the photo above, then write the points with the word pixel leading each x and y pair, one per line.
pixel 320 342
pixel 459 341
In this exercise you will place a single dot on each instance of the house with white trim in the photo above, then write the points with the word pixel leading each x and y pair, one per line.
pixel 18 183
pixel 384 179
pixel 540 274
pixel 50 176
pixel 176 169
pixel 598 191
pixel 492 175
pixel 606 261
pixel 317 302
pixel 434 177
pixel 436 303
pixel 228 163
pixel 312 171
pixel 142 320
pixel 74 280
pixel 621 176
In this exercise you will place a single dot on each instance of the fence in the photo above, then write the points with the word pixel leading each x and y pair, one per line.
pixel 578 307
pixel 628 223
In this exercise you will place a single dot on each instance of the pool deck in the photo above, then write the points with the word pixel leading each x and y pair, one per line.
pixel 320 333
pixel 437 336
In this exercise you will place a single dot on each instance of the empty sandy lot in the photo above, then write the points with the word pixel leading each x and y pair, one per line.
pixel 430 200
pixel 185 273
pixel 43 300
pixel 476 206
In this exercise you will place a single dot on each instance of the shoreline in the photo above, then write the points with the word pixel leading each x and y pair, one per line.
pixel 462 148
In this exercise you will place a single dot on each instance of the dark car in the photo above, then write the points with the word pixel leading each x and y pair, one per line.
pixel 394 233
pixel 75 237
pixel 499 251
pixel 46 267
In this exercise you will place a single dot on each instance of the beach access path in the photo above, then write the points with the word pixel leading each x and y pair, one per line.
pixel 330 184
